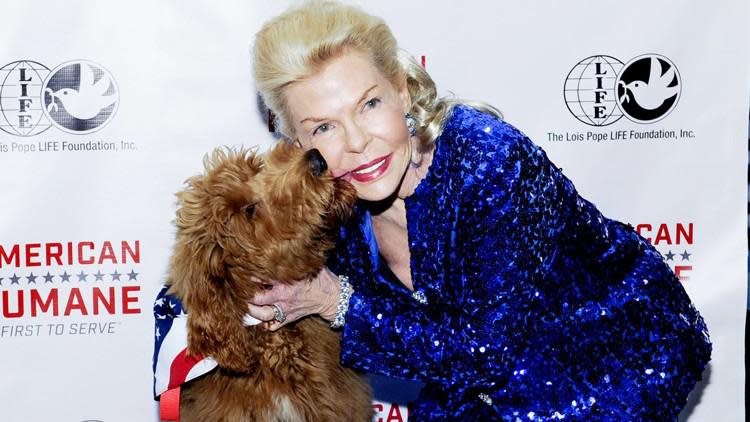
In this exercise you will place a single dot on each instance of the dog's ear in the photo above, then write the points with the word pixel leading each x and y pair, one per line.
pixel 215 315
pixel 215 262
pixel 200 279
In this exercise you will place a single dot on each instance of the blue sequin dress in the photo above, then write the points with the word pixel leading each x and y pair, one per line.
pixel 528 303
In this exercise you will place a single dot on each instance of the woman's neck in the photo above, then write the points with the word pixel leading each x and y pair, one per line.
pixel 394 214
pixel 415 173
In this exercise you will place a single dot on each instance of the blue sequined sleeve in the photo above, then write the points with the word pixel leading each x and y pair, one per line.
pixel 395 336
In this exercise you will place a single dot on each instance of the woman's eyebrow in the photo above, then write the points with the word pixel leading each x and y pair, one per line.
pixel 320 119
pixel 362 98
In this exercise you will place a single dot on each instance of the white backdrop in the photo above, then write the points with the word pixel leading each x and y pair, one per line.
pixel 76 329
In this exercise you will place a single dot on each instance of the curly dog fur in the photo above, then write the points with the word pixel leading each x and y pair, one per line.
pixel 268 217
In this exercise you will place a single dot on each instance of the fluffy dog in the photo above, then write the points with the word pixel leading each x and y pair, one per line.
pixel 264 217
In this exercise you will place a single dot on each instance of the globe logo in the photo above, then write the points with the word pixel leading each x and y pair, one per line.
pixel 590 89
pixel 80 97
pixel 20 98
pixel 648 88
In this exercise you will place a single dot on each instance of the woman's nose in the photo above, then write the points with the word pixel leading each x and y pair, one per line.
pixel 356 138
pixel 316 162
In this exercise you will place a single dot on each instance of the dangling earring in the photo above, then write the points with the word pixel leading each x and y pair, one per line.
pixel 411 124
pixel 299 144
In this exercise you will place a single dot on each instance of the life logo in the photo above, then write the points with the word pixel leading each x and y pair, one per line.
pixel 599 90
pixel 78 97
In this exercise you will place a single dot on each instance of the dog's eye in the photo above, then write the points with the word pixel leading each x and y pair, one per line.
pixel 249 210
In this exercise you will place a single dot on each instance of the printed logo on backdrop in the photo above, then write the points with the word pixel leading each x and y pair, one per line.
pixel 648 88
pixel 674 241
pixel 590 89
pixel 76 288
pixel 20 98
pixel 77 97
pixel 600 90
pixel 389 412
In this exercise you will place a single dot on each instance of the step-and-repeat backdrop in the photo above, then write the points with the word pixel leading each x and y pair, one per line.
pixel 107 107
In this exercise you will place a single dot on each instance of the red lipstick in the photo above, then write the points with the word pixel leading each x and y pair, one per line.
pixel 370 171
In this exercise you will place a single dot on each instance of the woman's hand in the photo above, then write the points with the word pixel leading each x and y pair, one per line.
pixel 316 296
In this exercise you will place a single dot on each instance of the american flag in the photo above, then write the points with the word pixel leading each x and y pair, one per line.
pixel 172 366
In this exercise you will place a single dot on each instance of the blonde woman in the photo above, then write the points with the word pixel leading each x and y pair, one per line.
pixel 470 263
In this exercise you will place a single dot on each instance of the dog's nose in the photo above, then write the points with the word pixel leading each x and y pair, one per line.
pixel 316 162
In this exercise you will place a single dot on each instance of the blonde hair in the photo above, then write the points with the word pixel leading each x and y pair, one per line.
pixel 298 43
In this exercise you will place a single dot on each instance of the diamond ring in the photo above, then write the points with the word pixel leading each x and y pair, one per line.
pixel 278 314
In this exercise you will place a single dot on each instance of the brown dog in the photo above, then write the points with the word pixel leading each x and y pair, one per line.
pixel 270 217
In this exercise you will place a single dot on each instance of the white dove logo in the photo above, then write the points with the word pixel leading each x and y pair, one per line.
pixel 80 96
pixel 648 88
pixel 653 93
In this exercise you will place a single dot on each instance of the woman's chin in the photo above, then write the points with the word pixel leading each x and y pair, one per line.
pixel 374 193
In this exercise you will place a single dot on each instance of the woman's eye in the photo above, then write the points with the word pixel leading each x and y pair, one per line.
pixel 372 103
pixel 321 129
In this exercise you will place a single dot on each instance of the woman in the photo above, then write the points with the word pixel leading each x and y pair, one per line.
pixel 470 263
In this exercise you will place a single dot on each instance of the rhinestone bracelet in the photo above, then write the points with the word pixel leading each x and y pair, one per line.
pixel 345 294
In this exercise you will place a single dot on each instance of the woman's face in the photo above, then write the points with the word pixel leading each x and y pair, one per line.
pixel 355 117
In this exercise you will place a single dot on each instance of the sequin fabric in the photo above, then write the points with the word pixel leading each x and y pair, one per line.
pixel 528 303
